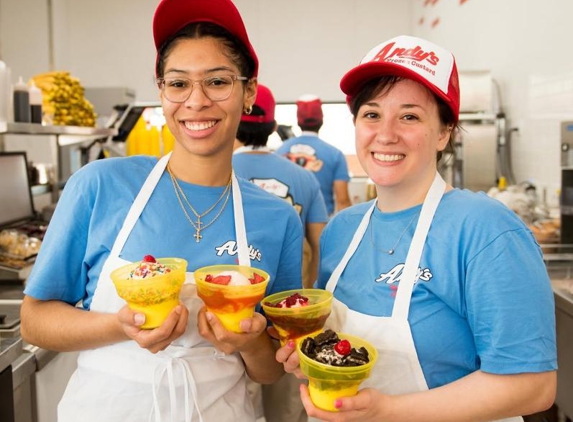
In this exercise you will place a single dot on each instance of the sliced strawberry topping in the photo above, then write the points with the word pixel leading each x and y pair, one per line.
pixel 221 279
pixel 256 278
pixel 343 347
pixel 149 258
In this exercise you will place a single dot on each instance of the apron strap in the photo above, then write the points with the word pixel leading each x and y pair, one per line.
pixel 411 268
pixel 358 235
pixel 139 204
pixel 167 368
pixel 410 272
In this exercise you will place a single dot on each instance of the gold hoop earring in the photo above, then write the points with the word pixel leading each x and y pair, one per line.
pixel 248 110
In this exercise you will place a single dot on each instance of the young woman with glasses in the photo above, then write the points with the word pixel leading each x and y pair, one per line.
pixel 187 204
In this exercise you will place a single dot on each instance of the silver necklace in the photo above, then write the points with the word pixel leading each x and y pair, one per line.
pixel 199 225
pixel 393 248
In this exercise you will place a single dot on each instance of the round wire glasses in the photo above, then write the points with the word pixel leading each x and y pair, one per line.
pixel 216 88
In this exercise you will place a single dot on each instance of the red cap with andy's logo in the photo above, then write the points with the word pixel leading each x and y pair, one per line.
pixel 411 58
pixel 309 110
pixel 172 15
pixel 266 103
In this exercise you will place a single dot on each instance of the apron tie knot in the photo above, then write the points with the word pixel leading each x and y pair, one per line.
pixel 172 366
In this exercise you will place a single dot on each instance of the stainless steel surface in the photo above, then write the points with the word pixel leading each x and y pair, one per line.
pixel 37 129
pixel 567 144
pixel 477 86
pixel 560 269
pixel 11 326
pixel 23 370
pixel 61 142
pixel 10 349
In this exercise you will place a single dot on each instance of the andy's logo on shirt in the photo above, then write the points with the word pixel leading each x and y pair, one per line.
pixel 230 247
pixel 394 276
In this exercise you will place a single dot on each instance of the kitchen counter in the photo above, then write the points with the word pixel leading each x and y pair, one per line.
pixel 10 350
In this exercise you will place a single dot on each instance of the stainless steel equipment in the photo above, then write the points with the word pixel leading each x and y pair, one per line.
pixel 479 158
pixel 566 200
pixel 566 206
pixel 560 267
pixel 38 376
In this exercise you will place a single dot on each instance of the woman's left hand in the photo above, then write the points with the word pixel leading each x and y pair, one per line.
pixel 211 329
pixel 366 406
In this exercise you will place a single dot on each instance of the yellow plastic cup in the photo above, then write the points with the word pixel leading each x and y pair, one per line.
pixel 293 323
pixel 231 304
pixel 155 297
pixel 326 383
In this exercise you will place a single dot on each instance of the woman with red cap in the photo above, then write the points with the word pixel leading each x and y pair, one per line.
pixel 449 285
pixel 187 204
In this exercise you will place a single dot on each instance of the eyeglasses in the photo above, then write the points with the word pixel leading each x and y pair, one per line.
pixel 216 88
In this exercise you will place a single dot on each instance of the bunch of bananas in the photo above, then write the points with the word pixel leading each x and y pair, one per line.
pixel 63 100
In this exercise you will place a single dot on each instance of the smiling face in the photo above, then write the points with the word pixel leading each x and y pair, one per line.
pixel 398 136
pixel 202 127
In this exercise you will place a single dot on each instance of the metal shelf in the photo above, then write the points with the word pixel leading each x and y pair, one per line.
pixel 39 129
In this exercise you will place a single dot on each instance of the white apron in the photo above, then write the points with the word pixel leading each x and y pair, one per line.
pixel 398 370
pixel 188 381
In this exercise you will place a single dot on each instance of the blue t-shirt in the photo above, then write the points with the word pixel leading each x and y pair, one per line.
pixel 93 207
pixel 279 176
pixel 325 161
pixel 483 299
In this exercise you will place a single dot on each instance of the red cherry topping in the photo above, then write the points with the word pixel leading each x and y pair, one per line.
pixel 209 278
pixel 149 258
pixel 342 347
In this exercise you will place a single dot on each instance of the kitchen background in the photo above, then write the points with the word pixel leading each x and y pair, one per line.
pixel 305 46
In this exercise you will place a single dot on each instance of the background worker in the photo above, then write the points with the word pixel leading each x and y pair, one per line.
pixel 324 160
pixel 252 160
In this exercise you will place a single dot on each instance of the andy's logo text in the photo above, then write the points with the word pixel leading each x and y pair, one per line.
pixel 416 54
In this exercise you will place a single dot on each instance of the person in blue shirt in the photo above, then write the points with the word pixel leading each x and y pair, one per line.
pixel 188 204
pixel 324 160
pixel 277 175
pixel 254 161
pixel 449 285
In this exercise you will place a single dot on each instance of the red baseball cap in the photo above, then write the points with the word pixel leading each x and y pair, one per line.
pixel 172 15
pixel 266 102
pixel 309 110
pixel 411 58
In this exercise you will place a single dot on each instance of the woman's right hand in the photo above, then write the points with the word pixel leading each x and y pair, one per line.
pixel 158 338
pixel 289 358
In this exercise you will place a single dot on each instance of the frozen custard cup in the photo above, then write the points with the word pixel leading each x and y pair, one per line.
pixel 153 296
pixel 226 293
pixel 326 383
pixel 305 319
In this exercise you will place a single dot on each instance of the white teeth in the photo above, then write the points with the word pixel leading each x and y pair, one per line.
pixel 200 125
pixel 384 157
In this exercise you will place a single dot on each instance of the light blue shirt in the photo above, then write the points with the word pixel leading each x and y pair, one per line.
pixel 93 207
pixel 325 161
pixel 282 178
pixel 483 299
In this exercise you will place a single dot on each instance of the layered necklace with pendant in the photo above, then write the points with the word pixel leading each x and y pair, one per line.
pixel 198 224
pixel 393 248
